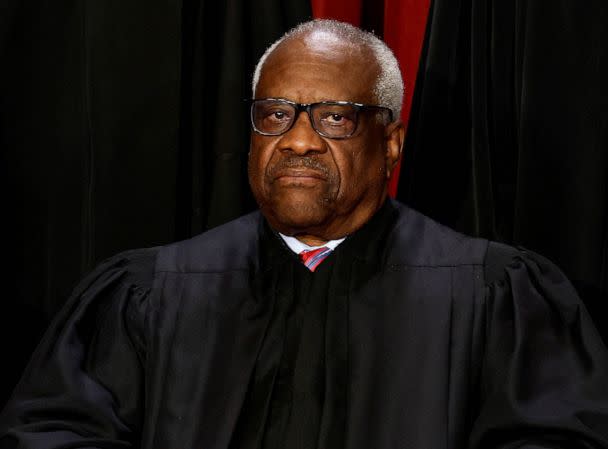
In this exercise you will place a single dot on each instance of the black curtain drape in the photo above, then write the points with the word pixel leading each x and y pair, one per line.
pixel 227 40
pixel 508 134
pixel 122 125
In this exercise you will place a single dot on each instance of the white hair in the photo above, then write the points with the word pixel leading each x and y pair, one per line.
pixel 388 90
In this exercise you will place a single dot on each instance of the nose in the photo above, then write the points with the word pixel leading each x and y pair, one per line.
pixel 302 139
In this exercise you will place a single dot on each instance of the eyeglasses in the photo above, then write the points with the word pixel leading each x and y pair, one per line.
pixel 333 119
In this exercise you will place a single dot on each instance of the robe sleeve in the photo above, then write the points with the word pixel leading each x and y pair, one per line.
pixel 83 386
pixel 544 381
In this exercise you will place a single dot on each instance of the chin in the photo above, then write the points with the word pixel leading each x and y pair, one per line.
pixel 294 217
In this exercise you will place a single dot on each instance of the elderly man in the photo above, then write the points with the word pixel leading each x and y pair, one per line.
pixel 388 331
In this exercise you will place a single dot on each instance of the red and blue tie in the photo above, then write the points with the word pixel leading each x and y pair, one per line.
pixel 312 258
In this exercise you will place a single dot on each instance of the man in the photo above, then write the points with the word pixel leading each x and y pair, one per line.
pixel 396 333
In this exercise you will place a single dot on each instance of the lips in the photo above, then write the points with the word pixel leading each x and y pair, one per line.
pixel 300 174
pixel 298 171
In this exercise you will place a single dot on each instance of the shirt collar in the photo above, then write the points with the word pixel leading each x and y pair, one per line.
pixel 297 246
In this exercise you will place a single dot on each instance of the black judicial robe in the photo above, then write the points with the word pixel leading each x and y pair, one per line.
pixel 431 339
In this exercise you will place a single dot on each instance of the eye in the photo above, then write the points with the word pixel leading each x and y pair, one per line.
pixel 335 119
pixel 277 115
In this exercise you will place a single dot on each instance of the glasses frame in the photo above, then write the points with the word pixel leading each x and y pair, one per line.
pixel 299 107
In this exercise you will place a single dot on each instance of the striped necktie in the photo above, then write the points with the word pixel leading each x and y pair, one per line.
pixel 312 258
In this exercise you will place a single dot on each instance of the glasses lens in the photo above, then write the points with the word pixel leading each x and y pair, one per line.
pixel 335 119
pixel 272 117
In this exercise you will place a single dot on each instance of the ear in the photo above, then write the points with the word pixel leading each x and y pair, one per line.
pixel 394 135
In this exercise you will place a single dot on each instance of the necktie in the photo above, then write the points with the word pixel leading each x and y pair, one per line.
pixel 312 258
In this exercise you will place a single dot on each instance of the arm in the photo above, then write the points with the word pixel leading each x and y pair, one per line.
pixel 83 385
pixel 545 373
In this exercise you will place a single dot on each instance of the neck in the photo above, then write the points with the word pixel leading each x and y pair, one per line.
pixel 311 240
pixel 339 227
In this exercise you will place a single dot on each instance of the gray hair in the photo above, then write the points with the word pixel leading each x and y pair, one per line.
pixel 388 89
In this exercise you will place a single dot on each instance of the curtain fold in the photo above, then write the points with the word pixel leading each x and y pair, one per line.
pixel 508 131
pixel 223 41
pixel 122 125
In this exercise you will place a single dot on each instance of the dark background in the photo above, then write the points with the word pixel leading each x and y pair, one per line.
pixel 123 125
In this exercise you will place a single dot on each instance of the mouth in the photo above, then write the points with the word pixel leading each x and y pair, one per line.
pixel 301 174
pixel 298 177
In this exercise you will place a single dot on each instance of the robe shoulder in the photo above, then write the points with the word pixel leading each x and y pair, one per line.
pixel 417 240
pixel 229 247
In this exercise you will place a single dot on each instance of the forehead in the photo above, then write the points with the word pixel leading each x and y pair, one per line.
pixel 318 67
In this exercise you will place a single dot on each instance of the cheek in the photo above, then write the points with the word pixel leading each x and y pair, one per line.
pixel 259 158
pixel 360 168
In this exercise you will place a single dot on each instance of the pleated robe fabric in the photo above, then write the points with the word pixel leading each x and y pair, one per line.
pixel 424 338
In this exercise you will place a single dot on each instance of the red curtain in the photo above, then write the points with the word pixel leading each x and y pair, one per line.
pixel 343 10
pixel 402 29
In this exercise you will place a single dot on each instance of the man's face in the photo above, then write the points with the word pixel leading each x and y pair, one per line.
pixel 310 186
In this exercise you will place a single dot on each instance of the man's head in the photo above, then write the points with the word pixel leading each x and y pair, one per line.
pixel 323 179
